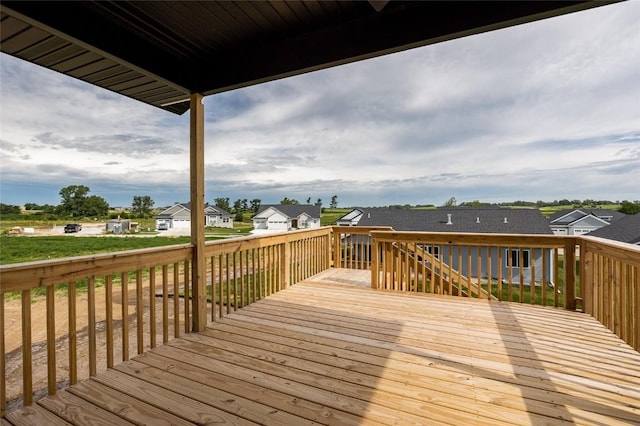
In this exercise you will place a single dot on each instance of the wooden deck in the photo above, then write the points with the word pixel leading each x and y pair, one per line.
pixel 331 351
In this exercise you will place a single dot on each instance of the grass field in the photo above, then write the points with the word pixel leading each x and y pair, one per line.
pixel 28 249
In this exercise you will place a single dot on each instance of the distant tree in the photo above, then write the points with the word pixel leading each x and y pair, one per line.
pixel 31 206
pixel 255 205
pixel 286 200
pixel 9 209
pixel 628 207
pixel 76 202
pixel 239 217
pixel 222 203
pixel 237 206
pixel 73 198
pixel 318 202
pixel 451 202
pixel 309 200
pixel 95 206
pixel 244 205
pixel 334 202
pixel 142 205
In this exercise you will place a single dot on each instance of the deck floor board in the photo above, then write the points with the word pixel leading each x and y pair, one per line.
pixel 332 351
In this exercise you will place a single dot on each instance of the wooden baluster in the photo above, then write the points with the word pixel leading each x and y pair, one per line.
pixel 139 313
pixel 165 303
pixel 124 282
pixel 108 282
pixel 176 300
pixel 545 269
pixel 91 312
pixel 152 307
pixel 500 267
pixel 532 262
pixel 51 340
pixel 73 354
pixel 27 375
pixel 186 271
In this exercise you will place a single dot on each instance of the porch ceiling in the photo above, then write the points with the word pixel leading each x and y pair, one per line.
pixel 162 51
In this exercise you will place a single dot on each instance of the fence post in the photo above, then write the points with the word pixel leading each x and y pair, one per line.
pixel 570 274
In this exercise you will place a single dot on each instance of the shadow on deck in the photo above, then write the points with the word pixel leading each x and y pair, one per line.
pixel 330 350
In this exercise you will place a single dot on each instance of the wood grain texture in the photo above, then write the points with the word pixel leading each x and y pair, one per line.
pixel 326 351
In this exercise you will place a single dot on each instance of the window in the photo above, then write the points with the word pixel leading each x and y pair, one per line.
pixel 515 258
pixel 225 220
pixel 434 250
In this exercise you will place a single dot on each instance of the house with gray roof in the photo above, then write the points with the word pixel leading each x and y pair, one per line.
pixel 626 230
pixel 179 216
pixel 473 220
pixel 286 217
pixel 582 221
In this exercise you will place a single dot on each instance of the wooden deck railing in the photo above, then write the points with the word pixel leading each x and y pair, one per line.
pixel 137 299
pixel 611 275
pixel 133 300
pixel 533 269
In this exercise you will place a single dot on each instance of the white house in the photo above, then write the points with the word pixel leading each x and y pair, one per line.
pixel 179 216
pixel 580 222
pixel 286 217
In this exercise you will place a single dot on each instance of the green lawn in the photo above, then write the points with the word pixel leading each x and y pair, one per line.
pixel 27 249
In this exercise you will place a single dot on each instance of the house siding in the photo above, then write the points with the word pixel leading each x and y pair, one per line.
pixel 536 257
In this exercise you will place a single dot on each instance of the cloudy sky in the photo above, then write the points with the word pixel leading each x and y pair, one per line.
pixel 543 111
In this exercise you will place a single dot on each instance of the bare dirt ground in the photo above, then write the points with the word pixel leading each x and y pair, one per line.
pixel 13 337
pixel 94 229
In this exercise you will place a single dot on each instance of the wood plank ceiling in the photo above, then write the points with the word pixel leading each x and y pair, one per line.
pixel 159 52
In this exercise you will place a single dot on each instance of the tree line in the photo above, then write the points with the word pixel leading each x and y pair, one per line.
pixel 76 203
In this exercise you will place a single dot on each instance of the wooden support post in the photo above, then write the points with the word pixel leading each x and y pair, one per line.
pixel 586 278
pixel 375 261
pixel 198 265
pixel 285 265
pixel 570 274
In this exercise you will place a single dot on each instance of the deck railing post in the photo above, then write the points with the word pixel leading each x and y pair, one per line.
pixel 337 254
pixel 586 277
pixel 285 264
pixel 375 261
pixel 327 247
pixel 198 264
pixel 570 274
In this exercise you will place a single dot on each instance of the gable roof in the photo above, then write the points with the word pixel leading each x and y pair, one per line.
pixel 292 210
pixel 566 217
pixel 159 52
pixel 463 219
pixel 626 230
pixel 178 207
pixel 215 210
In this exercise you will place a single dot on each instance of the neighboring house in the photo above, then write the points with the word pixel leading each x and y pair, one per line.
pixel 582 221
pixel 626 230
pixel 352 218
pixel 472 220
pixel 179 216
pixel 286 217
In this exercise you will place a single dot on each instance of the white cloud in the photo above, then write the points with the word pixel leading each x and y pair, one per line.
pixel 526 112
